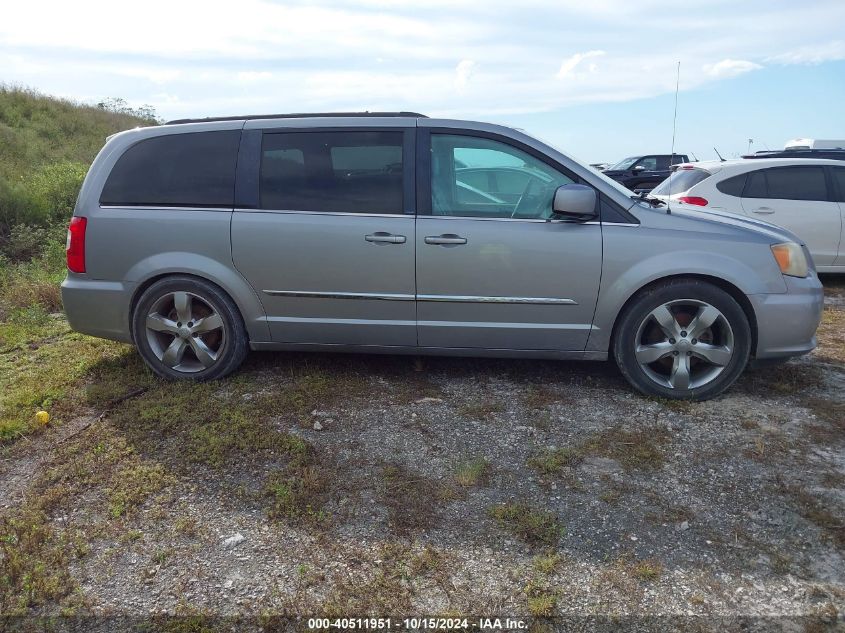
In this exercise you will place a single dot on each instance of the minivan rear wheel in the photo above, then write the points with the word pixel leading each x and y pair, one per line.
pixel 683 339
pixel 187 328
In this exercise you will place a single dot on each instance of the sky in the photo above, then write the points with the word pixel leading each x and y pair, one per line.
pixel 595 78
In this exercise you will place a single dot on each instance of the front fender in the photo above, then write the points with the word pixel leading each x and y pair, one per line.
pixel 620 281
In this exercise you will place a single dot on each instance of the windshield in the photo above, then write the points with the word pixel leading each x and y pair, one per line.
pixel 626 163
pixel 681 181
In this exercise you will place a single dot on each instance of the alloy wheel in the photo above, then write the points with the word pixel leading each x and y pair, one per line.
pixel 684 344
pixel 185 332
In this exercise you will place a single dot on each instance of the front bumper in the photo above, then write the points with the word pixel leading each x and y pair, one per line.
pixel 787 323
pixel 98 308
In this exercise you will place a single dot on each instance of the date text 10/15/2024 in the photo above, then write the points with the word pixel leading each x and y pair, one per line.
pixel 416 624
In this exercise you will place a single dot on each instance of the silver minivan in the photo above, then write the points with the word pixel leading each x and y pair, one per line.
pixel 395 233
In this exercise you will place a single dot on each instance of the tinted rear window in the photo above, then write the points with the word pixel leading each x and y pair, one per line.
pixel 733 186
pixel 755 185
pixel 681 180
pixel 178 170
pixel 796 183
pixel 839 179
pixel 351 172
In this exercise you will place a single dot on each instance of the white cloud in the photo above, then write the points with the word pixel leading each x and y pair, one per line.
pixel 380 54
pixel 729 68
pixel 253 76
pixel 812 54
pixel 570 64
pixel 463 72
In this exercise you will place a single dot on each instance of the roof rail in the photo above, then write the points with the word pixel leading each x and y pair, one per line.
pixel 301 115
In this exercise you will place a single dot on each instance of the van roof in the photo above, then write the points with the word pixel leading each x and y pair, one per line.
pixel 300 115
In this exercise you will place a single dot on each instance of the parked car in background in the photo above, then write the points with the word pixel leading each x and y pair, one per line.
pixel 643 173
pixel 600 166
pixel 833 154
pixel 806 196
pixel 395 233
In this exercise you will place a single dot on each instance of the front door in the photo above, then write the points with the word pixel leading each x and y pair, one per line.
pixel 493 270
pixel 330 248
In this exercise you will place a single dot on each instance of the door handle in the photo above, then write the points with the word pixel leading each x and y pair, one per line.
pixel 764 210
pixel 385 238
pixel 445 240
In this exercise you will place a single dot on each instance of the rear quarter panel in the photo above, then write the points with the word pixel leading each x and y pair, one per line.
pixel 135 244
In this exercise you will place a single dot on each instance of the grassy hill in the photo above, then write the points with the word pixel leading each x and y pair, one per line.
pixel 46 145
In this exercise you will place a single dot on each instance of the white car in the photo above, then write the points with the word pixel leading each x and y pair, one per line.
pixel 804 195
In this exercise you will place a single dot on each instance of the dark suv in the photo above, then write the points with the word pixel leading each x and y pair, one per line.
pixel 644 173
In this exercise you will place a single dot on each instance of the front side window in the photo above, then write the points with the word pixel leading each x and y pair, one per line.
pixel 178 170
pixel 479 177
pixel 625 163
pixel 342 172
pixel 648 163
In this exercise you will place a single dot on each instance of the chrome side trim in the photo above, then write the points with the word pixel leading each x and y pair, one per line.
pixel 339 295
pixel 408 297
pixel 154 207
pixel 482 299
pixel 330 213
pixel 524 220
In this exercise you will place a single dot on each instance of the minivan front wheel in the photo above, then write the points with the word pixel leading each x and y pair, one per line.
pixel 683 339
pixel 188 328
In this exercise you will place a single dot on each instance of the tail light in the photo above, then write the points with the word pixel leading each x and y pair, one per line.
pixel 76 244
pixel 699 202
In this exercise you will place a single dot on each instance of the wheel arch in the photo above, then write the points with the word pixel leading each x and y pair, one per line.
pixel 254 329
pixel 737 294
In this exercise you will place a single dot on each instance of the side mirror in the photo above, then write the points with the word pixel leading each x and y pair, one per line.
pixel 575 201
pixel 638 168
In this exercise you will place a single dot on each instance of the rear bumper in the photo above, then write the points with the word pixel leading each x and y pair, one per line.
pixel 787 323
pixel 98 308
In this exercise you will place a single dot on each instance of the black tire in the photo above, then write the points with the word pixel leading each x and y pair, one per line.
pixel 730 333
pixel 228 342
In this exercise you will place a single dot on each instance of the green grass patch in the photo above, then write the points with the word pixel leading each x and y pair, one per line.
pixel 552 461
pixel 646 570
pixel 473 472
pixel 299 493
pixel 532 525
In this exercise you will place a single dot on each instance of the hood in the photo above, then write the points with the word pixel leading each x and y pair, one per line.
pixel 776 233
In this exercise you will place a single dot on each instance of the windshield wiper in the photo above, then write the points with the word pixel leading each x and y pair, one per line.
pixel 644 197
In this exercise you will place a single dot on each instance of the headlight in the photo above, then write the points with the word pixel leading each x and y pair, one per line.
pixel 790 259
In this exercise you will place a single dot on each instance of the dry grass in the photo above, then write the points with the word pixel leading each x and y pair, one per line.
pixel 480 410
pixel 817 511
pixel 640 449
pixel 831 335
pixel 412 500
pixel 540 397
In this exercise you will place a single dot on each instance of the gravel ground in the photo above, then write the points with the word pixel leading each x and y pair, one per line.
pixel 619 505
